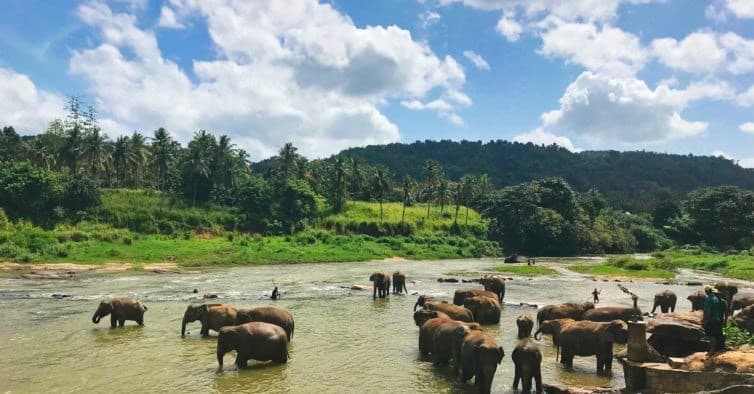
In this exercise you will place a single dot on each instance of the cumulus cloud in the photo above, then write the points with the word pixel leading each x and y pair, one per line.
pixel 747 127
pixel 168 19
pixel 540 137
pixel 295 71
pixel 743 9
pixel 509 27
pixel 429 18
pixel 477 60
pixel 697 53
pixel 445 105
pixel 607 50
pixel 746 99
pixel 586 10
pixel 24 106
pixel 607 110
pixel 741 52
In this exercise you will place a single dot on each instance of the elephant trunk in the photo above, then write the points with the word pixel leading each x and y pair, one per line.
pixel 538 333
pixel 417 303
pixel 95 318
pixel 183 326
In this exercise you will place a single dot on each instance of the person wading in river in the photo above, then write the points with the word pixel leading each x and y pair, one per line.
pixel 596 296
pixel 713 319
pixel 275 294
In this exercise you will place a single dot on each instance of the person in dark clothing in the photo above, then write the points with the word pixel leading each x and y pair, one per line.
pixel 596 296
pixel 713 319
pixel 275 293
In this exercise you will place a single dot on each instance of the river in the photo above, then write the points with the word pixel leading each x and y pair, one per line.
pixel 344 341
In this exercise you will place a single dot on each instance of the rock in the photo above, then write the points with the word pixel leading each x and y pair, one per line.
pixel 738 361
pixel 209 296
pixel 677 334
pixel 360 287
pixel 61 296
pixel 693 283
pixel 195 291
pixel 447 280
pixel 745 319
pixel 742 300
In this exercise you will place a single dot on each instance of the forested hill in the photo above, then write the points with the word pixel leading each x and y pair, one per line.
pixel 632 180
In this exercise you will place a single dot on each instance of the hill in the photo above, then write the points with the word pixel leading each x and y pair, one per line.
pixel 633 181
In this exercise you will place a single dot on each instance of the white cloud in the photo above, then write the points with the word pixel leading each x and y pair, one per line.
pixel 25 107
pixel 445 105
pixel 607 110
pixel 747 127
pixel 746 99
pixel 607 50
pixel 745 162
pixel 429 18
pixel 540 137
pixel 697 53
pixel 509 27
pixel 168 19
pixel 741 51
pixel 286 71
pixel 586 10
pixel 743 9
pixel 477 60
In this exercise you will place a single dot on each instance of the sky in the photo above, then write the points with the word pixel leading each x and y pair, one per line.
pixel 662 75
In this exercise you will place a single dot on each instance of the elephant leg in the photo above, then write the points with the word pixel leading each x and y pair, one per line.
pixel 654 308
pixel 566 358
pixel 672 308
pixel 517 375
pixel 113 321
pixel 140 321
pixel 466 373
pixel 374 291
pixel 242 361
pixel 204 331
pixel 122 322
pixel 600 363
pixel 608 358
pixel 526 384
pixel 538 378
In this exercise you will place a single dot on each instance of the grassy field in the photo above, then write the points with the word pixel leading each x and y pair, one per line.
pixel 609 270
pixel 525 270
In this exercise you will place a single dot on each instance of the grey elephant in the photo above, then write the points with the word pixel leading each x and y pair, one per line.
pixel 727 290
pixel 422 315
pixel 697 300
pixel 666 300
pixel 527 357
pixel 212 316
pixel 429 328
pixel 495 284
pixel 562 311
pixel 742 300
pixel 381 284
pixel 447 340
pixel 455 312
pixel 610 313
pixel 399 282
pixel 267 314
pixel 120 309
pixel 587 338
pixel 480 357
pixel 553 328
pixel 253 341
pixel 484 309
pixel 462 294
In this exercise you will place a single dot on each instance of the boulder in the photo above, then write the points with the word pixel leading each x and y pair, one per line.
pixel 742 300
pixel 737 361
pixel 745 319
pixel 677 334
pixel 360 287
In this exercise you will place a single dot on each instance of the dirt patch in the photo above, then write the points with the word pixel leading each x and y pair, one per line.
pixel 395 259
pixel 71 270
pixel 161 268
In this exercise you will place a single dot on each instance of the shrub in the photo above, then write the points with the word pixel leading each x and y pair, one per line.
pixel 127 241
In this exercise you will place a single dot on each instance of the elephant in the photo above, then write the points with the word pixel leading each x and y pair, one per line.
pixel 561 311
pixel 447 340
pixel 120 309
pixel 588 338
pixel 745 319
pixel 422 315
pixel 212 317
pixel 697 300
pixel 381 285
pixel 525 324
pixel 484 309
pixel 610 313
pixel 463 294
pixel 399 282
pixel 257 340
pixel 665 300
pixel 742 300
pixel 727 290
pixel 455 312
pixel 480 357
pixel 495 284
pixel 429 328
pixel 267 314
pixel 553 328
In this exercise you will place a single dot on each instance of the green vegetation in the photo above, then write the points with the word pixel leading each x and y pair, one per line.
pixel 736 337
pixel 626 266
pixel 739 265
pixel 525 270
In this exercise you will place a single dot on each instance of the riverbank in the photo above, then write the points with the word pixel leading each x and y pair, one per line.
pixel 665 265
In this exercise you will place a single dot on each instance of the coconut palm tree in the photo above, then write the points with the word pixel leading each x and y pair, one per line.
pixel 222 162
pixel 381 185
pixel 121 157
pixel 163 154
pixel 443 194
pixel 95 152
pixel 467 193
pixel 431 173
pixel 408 184
pixel 339 186
pixel 70 151
pixel 138 155
pixel 286 160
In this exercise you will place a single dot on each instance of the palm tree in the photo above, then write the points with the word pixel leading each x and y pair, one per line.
pixel 444 194
pixel 339 183
pixel 430 172
pixel 468 189
pixel 163 156
pixel 222 171
pixel 138 153
pixel 95 152
pixel 287 160
pixel 71 149
pixel 381 185
pixel 408 184
pixel 121 156
pixel 356 179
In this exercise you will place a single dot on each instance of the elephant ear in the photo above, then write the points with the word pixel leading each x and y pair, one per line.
pixel 371 278
pixel 204 308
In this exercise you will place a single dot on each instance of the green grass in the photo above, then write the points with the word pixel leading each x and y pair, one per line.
pixel 525 270
pixel 364 217
pixel 738 266
pixel 627 266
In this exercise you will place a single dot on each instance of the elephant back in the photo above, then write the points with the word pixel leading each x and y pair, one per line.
pixel 277 316
pixel 462 294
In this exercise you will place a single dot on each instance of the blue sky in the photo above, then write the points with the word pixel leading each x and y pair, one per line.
pixel 672 76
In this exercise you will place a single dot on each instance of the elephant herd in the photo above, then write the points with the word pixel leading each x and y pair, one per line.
pixel 260 334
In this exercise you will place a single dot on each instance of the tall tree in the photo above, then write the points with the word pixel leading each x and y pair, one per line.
pixel 163 154
pixel 408 185
pixel 286 160
pixel 121 157
pixel 95 152
pixel 381 186
pixel 432 173
pixel 222 162
pixel 443 194
pixel 357 178
pixel 138 155
pixel 339 184
pixel 468 193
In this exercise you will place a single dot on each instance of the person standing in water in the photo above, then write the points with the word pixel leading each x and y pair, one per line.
pixel 275 293
pixel 596 296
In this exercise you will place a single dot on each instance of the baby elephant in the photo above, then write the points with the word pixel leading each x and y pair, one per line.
pixel 120 309
pixel 253 341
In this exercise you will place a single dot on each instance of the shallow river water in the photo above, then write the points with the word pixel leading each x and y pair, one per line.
pixel 344 341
